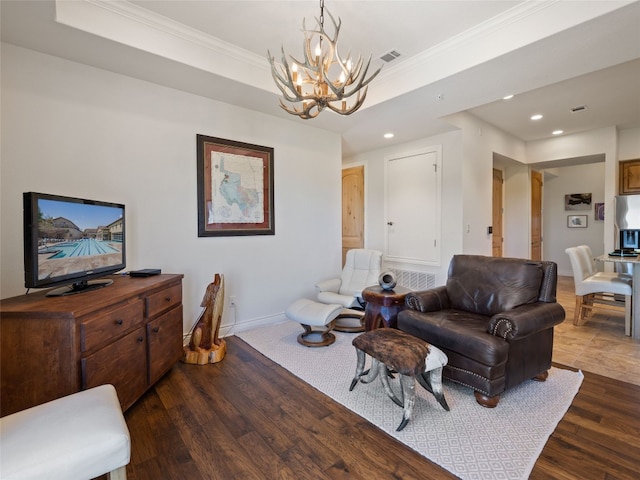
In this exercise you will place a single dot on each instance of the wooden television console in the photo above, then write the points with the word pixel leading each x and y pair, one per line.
pixel 127 334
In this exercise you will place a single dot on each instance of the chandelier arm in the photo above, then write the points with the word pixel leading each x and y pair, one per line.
pixel 362 82
pixel 305 113
pixel 348 111
pixel 284 83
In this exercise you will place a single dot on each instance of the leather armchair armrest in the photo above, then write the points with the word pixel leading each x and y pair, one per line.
pixel 332 285
pixel 525 320
pixel 428 300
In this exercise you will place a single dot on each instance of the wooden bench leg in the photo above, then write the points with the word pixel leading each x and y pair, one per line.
pixel 118 474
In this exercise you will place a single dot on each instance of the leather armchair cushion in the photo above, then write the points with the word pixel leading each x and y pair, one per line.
pixel 457 331
pixel 488 286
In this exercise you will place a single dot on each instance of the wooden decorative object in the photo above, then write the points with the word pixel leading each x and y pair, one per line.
pixel 205 346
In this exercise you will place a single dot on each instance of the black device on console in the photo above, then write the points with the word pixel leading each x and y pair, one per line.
pixel 145 272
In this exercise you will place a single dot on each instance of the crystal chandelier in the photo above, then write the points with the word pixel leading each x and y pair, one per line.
pixel 324 79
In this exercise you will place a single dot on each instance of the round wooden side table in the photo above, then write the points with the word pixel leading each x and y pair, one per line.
pixel 382 306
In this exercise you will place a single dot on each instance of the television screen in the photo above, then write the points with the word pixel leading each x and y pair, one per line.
pixel 70 241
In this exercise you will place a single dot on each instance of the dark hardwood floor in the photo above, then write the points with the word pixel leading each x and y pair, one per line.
pixel 248 418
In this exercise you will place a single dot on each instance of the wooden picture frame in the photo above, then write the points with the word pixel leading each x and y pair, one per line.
pixel 577 221
pixel 235 188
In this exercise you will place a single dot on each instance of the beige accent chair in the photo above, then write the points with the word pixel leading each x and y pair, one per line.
pixel 362 268
pixel 595 289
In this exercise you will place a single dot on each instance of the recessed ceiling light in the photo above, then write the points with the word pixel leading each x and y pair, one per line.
pixel 508 97
pixel 557 132
pixel 537 116
pixel 388 135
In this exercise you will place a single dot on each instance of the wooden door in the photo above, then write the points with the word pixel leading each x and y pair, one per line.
pixel 496 236
pixel 536 215
pixel 352 209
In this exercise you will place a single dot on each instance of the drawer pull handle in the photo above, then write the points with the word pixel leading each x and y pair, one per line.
pixel 167 299
pixel 140 339
pixel 119 321
pixel 156 329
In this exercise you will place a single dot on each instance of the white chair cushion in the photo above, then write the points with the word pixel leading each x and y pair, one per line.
pixel 308 312
pixel 587 282
pixel 605 282
pixel 77 437
pixel 345 300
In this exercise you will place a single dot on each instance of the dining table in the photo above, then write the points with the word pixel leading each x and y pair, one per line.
pixel 635 295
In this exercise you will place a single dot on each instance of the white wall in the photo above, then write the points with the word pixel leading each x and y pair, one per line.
pixel 629 144
pixel 517 212
pixel 74 130
pixel 557 236
pixel 375 227
pixel 480 141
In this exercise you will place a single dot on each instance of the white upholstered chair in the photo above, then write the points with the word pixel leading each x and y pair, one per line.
pixel 598 289
pixel 361 269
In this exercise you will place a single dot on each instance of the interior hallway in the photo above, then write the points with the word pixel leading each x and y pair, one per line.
pixel 598 346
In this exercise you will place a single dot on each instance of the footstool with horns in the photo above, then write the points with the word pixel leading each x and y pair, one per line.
pixel 413 359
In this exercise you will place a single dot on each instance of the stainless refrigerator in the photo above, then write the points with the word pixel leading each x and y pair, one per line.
pixel 627 225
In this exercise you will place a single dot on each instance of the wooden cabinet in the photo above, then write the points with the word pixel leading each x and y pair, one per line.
pixel 630 177
pixel 128 334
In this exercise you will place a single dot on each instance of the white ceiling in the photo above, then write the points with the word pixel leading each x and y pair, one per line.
pixel 455 56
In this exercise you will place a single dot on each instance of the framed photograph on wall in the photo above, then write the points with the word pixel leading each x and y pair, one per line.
pixel 577 221
pixel 598 211
pixel 577 201
pixel 235 188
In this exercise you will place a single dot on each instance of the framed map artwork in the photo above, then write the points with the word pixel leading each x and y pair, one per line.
pixel 235 188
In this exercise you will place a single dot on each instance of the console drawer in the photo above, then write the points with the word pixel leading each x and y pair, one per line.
pixel 106 328
pixel 163 300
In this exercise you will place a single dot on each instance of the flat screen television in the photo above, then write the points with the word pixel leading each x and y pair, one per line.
pixel 71 242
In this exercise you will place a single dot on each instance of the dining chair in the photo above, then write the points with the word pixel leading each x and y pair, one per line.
pixel 596 289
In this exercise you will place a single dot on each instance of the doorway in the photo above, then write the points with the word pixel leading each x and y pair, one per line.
pixel 352 209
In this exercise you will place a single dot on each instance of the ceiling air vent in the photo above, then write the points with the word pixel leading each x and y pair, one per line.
pixel 580 108
pixel 390 56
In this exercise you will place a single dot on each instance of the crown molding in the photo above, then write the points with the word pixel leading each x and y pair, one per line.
pixel 137 27
pixel 521 25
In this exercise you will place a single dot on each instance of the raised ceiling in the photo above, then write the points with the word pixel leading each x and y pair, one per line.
pixel 455 56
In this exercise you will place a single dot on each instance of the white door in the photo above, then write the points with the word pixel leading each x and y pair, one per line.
pixel 413 207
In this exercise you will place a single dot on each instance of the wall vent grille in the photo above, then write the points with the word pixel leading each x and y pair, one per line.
pixel 414 280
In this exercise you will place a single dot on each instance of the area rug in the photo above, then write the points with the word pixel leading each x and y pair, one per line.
pixel 470 441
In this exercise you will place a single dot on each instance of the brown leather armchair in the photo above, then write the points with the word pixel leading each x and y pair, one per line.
pixel 494 319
